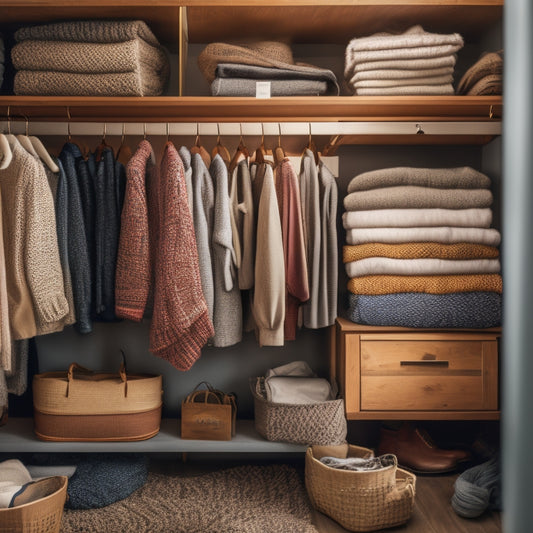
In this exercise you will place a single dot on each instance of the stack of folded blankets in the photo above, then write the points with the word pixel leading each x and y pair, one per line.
pixel 420 251
pixel 235 70
pixel 484 77
pixel 89 58
pixel 412 63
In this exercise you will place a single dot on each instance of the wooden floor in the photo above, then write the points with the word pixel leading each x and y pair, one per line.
pixel 433 512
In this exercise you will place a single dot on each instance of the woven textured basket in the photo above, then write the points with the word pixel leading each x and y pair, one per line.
pixel 359 501
pixel 40 516
pixel 315 423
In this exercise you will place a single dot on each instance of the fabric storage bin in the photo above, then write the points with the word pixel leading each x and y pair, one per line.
pixel 42 515
pixel 81 405
pixel 314 423
pixel 358 500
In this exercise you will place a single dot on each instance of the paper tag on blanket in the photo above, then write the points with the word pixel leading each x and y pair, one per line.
pixel 262 89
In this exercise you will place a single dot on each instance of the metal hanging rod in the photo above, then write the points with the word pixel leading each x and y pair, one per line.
pixel 253 128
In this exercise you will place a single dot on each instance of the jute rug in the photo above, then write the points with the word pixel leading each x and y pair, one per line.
pixel 243 499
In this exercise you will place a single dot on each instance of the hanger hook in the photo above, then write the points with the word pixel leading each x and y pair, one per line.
pixel 104 133
pixel 8 120
pixel 491 112
pixel 419 130
pixel 144 130
pixel 310 134
pixel 69 137
pixel 218 133
pixel 122 139
pixel 168 131
pixel 27 125
pixel 262 134
pixel 197 140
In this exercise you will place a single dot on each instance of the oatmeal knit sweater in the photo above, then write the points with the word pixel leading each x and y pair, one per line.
pixel 180 323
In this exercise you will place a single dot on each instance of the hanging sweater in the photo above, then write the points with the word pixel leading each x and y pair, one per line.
pixel 269 290
pixel 5 332
pixel 180 323
pixel 297 285
pixel 228 305
pixel 134 264
pixel 33 269
pixel 78 255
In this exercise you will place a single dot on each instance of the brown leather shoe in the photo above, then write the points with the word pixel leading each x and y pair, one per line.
pixel 416 451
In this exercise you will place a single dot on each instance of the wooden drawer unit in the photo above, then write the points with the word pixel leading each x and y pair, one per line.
pixel 390 372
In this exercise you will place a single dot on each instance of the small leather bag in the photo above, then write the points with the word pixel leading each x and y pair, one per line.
pixel 208 414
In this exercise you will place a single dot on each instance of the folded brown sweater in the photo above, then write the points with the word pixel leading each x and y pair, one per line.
pixel 489 64
pixel 444 284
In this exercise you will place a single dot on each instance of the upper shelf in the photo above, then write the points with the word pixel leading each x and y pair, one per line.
pixel 233 109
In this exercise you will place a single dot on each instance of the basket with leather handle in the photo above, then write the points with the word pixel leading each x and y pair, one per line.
pixel 208 414
pixel 82 405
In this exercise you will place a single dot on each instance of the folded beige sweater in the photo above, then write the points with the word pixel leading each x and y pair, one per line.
pixel 402 82
pixel 438 178
pixel 489 64
pixel 400 74
pixel 408 90
pixel 416 250
pixel 409 65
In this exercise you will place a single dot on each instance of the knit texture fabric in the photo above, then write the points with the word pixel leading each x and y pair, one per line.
pixel 414 250
pixel 5 329
pixel 412 196
pixel 432 284
pixel 228 316
pixel 78 253
pixel 475 218
pixel 488 65
pixel 436 178
pixel 180 323
pixel 134 263
pixel 297 284
pixel 89 31
pixel 446 235
pixel 422 310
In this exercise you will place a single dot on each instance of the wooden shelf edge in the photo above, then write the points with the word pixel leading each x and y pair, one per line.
pixel 423 415
pixel 232 109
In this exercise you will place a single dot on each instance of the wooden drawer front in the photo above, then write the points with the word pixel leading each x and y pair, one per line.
pixel 429 374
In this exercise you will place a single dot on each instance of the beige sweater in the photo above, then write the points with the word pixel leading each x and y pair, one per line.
pixel 33 270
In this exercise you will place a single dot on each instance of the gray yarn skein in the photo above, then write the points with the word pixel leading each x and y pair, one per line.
pixel 477 489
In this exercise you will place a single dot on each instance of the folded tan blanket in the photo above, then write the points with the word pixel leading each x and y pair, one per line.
pixel 400 74
pixel 30 82
pixel 416 250
pixel 91 58
pixel 427 284
pixel 438 178
pixel 489 64
pixel 490 237
pixel 89 31
pixel 408 90
pixel 487 86
pixel 420 267
pixel 411 196
pixel 406 218
pixel 410 65
pixel 401 82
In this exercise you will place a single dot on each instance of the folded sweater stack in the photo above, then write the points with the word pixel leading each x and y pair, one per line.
pixel 89 58
pixel 484 77
pixel 235 70
pixel 412 63
pixel 420 251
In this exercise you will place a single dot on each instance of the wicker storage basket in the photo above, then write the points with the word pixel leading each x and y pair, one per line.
pixel 40 516
pixel 359 501
pixel 315 423
pixel 81 405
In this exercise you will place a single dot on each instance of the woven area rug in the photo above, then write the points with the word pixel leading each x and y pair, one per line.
pixel 243 499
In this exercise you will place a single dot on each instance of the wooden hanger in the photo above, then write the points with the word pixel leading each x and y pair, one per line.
pixel 279 152
pixel 35 147
pixel 84 148
pixel 311 146
pixel 199 149
pixel 6 153
pixel 240 153
pixel 221 150
pixel 102 146
pixel 124 152
pixel 261 152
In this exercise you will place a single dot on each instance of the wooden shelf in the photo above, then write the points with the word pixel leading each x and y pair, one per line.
pixel 17 437
pixel 231 109
pixel 338 21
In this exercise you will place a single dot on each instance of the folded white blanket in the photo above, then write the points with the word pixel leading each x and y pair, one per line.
pixel 438 178
pixel 408 90
pixel 390 83
pixel 417 64
pixel 386 265
pixel 400 74
pixel 410 196
pixel 490 237
pixel 406 218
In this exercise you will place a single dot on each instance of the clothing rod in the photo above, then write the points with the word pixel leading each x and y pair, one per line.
pixel 254 128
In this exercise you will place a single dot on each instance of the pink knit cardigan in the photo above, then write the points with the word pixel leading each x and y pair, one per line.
pixel 180 323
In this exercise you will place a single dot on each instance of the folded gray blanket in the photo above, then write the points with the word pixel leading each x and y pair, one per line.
pixel 447 235
pixel 135 55
pixel 409 196
pixel 89 31
pixel 421 310
pixel 28 82
pixel 247 87
pixel 407 218
pixel 439 178
pixel 255 72
pixel 420 267
pixel 360 464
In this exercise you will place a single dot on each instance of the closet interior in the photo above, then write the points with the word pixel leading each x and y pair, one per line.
pixel 354 134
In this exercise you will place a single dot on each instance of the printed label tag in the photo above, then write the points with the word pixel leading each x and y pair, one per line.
pixel 262 89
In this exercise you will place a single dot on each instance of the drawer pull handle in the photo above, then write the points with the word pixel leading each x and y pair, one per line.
pixel 425 362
